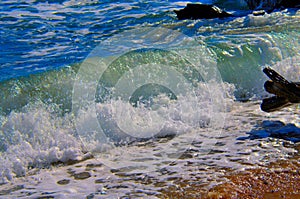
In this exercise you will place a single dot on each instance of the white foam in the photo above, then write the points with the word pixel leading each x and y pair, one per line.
pixel 38 136
pixel 202 156
pixel 35 137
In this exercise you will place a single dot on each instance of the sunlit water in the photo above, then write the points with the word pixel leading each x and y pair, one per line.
pixel 55 107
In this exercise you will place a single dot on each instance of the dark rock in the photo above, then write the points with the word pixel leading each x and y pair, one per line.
pixel 201 11
pixel 269 6
pixel 286 92
pixel 290 4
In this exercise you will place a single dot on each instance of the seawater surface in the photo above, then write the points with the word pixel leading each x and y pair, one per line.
pixel 106 99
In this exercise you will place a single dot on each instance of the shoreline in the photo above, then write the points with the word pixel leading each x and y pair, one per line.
pixel 264 166
pixel 279 179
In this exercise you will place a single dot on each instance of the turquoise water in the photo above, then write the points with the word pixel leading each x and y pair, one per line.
pixel 68 69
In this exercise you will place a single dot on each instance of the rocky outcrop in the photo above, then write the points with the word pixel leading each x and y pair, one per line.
pixel 270 5
pixel 205 11
pixel 201 11
pixel 286 92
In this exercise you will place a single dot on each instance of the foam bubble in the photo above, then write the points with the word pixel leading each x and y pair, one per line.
pixel 36 137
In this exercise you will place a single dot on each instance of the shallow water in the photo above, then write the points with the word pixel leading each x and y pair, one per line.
pixel 149 99
pixel 141 172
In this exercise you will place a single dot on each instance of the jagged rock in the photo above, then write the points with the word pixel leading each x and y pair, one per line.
pixel 201 11
pixel 286 92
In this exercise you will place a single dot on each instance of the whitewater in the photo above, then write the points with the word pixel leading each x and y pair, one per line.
pixel 122 100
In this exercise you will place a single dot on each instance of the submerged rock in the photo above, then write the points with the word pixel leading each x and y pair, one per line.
pixel 201 11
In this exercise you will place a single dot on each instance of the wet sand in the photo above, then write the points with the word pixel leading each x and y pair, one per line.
pixel 279 179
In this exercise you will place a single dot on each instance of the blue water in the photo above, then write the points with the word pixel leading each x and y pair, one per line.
pixel 38 36
pixel 43 43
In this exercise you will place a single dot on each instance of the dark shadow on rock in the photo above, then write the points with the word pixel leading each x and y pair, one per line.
pixel 274 129
pixel 201 11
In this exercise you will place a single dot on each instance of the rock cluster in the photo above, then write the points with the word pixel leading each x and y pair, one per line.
pixel 205 11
